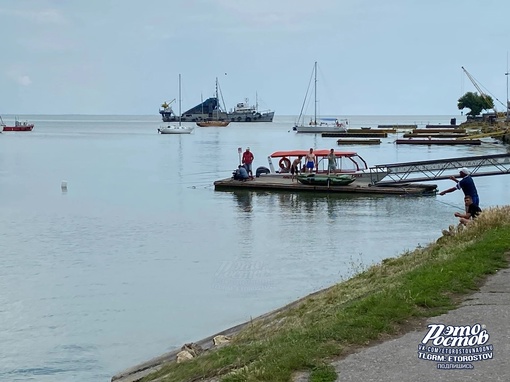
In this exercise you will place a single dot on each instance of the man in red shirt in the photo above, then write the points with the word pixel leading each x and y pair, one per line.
pixel 248 160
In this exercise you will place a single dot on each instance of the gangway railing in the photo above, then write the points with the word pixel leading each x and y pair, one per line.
pixel 422 171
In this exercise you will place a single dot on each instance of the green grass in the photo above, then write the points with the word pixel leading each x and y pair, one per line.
pixel 382 301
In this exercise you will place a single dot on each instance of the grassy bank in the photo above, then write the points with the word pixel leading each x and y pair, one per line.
pixel 383 301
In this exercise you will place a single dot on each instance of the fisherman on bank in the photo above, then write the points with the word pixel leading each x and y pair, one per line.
pixel 472 211
pixel 466 184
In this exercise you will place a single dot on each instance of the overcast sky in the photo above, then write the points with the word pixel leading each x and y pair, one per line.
pixel 393 57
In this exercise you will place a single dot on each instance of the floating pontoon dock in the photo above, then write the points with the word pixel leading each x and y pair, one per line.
pixel 284 183
pixel 401 178
pixel 438 141
pixel 370 130
pixel 360 141
pixel 442 126
pixel 422 134
pixel 448 131
pixel 399 127
pixel 365 134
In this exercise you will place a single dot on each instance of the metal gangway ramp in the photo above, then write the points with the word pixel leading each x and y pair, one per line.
pixel 406 172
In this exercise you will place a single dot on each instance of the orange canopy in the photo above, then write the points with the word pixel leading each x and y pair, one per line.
pixel 318 153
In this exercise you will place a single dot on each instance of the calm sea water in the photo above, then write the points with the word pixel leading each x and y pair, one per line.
pixel 141 255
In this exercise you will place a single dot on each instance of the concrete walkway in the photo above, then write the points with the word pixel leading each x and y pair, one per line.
pixel 397 359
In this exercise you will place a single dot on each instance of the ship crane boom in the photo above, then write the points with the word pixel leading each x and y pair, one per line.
pixel 478 87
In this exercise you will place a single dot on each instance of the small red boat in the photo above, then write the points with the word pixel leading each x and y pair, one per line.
pixel 18 126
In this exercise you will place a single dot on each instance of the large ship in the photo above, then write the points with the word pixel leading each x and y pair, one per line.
pixel 210 110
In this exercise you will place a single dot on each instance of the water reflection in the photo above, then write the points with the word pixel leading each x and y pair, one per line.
pixel 244 200
pixel 369 221
pixel 307 202
pixel 246 252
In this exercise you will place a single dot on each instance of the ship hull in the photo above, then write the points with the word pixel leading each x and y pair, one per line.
pixel 210 110
pixel 16 128
pixel 231 117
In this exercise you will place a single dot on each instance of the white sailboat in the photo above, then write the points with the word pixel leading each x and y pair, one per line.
pixel 322 125
pixel 176 129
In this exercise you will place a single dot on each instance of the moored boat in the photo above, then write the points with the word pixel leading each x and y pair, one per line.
pixel 329 180
pixel 18 126
pixel 176 129
pixel 244 112
pixel 213 123
pixel 321 125
pixel 210 109
pixel 346 162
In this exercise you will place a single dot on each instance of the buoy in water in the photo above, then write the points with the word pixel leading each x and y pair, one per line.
pixel 63 185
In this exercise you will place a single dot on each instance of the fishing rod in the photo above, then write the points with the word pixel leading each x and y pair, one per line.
pixel 450 205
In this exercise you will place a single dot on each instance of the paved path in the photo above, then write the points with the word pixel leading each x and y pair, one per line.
pixel 397 359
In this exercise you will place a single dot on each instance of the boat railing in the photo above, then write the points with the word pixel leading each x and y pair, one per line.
pixel 21 124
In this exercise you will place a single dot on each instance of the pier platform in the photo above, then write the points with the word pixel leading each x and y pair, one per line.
pixel 398 127
pixel 364 134
pixel 284 183
pixel 431 130
pixel 438 141
pixel 442 126
pixel 370 130
pixel 359 141
pixel 434 135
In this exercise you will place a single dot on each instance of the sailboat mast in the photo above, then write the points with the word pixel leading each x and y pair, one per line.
pixel 180 114
pixel 315 95
pixel 217 101
pixel 507 101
